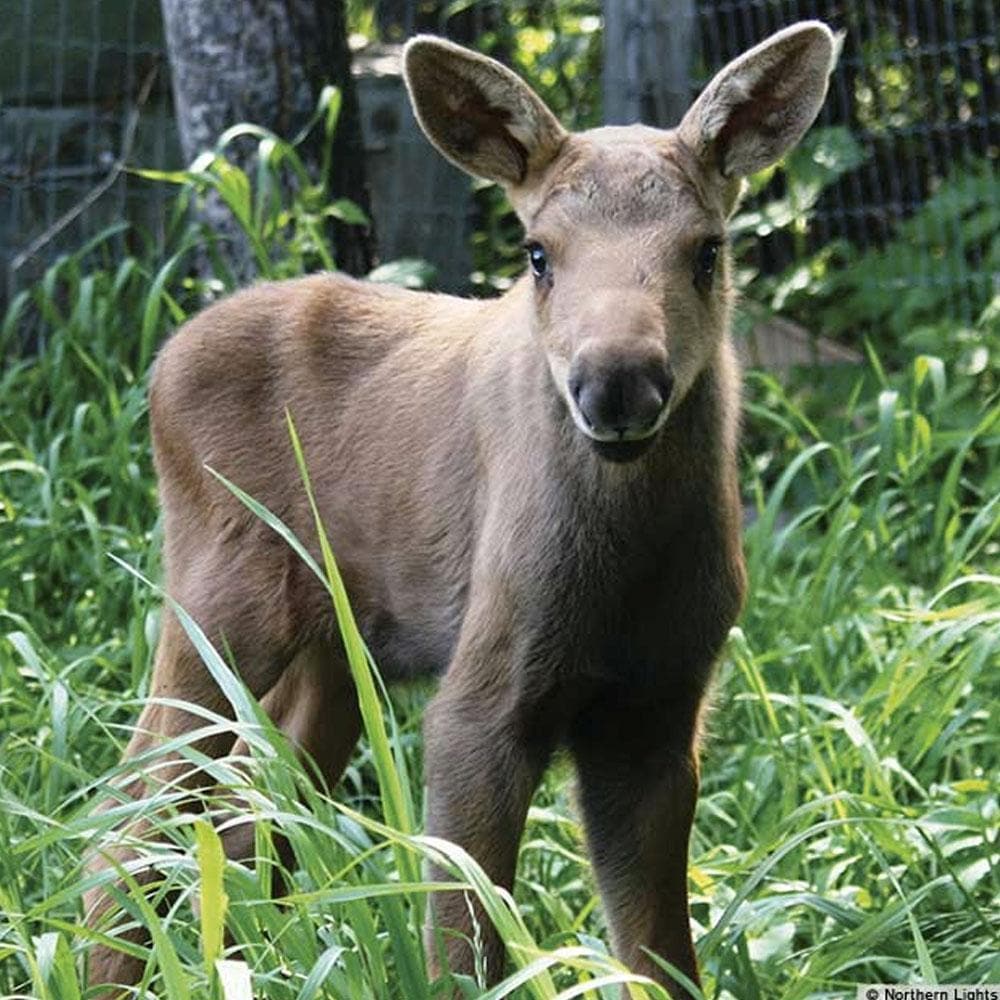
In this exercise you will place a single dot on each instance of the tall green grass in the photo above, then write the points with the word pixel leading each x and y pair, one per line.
pixel 847 829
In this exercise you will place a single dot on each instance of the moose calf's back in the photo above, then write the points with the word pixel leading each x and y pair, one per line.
pixel 374 378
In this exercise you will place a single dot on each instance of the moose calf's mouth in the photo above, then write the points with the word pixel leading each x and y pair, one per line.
pixel 617 445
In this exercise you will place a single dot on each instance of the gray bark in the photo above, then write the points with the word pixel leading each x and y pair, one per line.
pixel 265 61
pixel 648 53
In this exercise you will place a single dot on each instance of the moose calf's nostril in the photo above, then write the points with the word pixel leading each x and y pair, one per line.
pixel 666 385
pixel 648 404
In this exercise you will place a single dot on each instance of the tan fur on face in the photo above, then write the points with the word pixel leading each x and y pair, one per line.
pixel 623 214
pixel 569 594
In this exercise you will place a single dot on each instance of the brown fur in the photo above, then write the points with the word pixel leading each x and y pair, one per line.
pixel 571 594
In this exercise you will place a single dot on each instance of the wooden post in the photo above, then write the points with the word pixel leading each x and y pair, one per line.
pixel 421 204
pixel 648 53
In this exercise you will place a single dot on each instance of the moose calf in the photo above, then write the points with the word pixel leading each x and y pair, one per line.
pixel 534 496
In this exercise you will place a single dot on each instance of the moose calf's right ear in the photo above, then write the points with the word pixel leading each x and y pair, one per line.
pixel 478 113
pixel 761 104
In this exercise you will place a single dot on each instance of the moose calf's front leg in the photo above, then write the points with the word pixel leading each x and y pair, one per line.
pixel 481 774
pixel 638 773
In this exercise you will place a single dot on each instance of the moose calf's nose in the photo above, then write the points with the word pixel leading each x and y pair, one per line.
pixel 620 398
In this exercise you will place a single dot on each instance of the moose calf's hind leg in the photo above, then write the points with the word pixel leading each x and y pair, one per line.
pixel 315 704
pixel 178 674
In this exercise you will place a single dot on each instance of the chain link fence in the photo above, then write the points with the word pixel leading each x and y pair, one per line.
pixel 894 212
pixel 907 225
pixel 84 92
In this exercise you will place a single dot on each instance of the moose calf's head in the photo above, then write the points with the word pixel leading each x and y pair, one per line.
pixel 625 226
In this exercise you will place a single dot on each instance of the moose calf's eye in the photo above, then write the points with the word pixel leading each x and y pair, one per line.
pixel 708 254
pixel 538 260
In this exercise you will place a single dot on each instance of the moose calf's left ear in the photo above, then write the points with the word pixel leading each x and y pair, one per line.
pixel 479 114
pixel 761 104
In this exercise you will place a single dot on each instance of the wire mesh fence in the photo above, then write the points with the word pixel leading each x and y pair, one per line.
pixel 908 224
pixel 894 211
pixel 84 91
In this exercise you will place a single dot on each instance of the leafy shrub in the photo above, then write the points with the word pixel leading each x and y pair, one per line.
pixel 940 265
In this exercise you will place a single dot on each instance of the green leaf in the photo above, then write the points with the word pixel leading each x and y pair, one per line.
pixel 56 968
pixel 329 105
pixel 167 176
pixel 346 211
pixel 212 897
pixel 408 272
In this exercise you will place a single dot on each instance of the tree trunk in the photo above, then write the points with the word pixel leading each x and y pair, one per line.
pixel 265 61
pixel 647 60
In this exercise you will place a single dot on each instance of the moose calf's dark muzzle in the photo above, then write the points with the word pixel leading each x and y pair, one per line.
pixel 620 398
